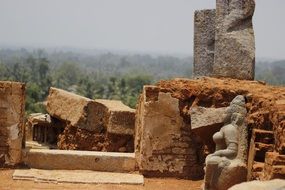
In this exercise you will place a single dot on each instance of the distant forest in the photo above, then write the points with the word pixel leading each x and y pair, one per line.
pixel 102 74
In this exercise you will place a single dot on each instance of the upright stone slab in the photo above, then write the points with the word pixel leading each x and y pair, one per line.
pixel 164 145
pixel 235 45
pixel 204 42
pixel 12 109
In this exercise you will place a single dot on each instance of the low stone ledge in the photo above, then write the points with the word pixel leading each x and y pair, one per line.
pixel 79 160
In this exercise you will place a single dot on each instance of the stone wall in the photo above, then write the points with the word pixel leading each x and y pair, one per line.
pixel 12 108
pixel 164 144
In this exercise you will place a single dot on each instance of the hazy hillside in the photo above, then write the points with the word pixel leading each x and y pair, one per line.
pixel 103 74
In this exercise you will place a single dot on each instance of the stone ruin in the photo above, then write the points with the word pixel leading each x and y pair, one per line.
pixel 170 132
pixel 189 140
pixel 74 122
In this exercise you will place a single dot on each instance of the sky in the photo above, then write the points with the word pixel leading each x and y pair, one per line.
pixel 162 26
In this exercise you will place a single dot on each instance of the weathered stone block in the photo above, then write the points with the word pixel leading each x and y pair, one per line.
pixel 207 121
pixel 235 44
pixel 204 42
pixel 160 146
pixel 74 109
pixel 115 116
pixel 12 109
pixel 79 160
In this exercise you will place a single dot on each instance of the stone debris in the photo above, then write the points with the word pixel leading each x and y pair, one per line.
pixel 12 109
pixel 204 42
pixel 77 176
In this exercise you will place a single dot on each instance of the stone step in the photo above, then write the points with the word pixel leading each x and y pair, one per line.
pixel 77 176
pixel 79 160
pixel 263 136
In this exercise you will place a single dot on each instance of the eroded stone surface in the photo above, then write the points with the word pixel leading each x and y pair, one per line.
pixel 12 108
pixel 164 145
pixel 234 41
pixel 204 42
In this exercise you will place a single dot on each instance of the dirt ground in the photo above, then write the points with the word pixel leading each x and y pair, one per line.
pixel 7 183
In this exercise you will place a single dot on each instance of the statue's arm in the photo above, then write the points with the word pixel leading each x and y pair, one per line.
pixel 225 152
pixel 230 135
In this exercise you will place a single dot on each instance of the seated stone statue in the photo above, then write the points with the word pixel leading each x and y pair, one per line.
pixel 227 165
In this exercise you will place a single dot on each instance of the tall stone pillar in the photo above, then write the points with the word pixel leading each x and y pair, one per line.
pixel 235 44
pixel 204 42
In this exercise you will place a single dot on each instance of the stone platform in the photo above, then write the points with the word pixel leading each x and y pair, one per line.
pixel 77 176
pixel 79 160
